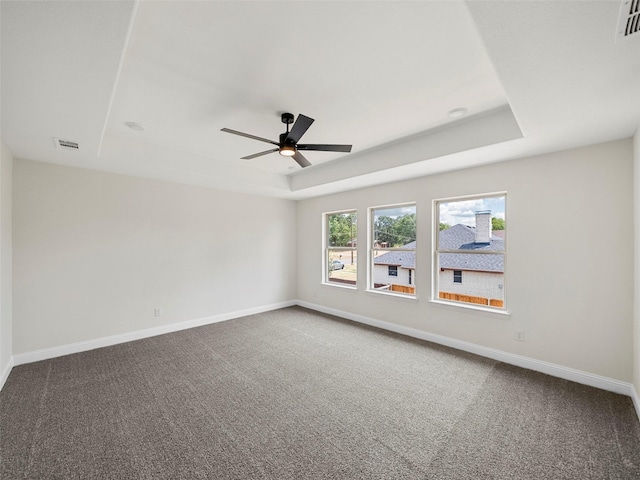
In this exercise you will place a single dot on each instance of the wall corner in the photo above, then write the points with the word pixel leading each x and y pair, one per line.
pixel 6 265
pixel 636 266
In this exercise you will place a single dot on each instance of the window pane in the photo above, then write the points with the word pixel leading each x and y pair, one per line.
pixel 342 266
pixel 394 278
pixel 340 248
pixel 342 229
pixel 394 227
pixel 483 278
pixel 393 230
pixel 472 224
pixel 467 228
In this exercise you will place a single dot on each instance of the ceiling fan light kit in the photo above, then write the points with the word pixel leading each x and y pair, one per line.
pixel 287 150
pixel 288 142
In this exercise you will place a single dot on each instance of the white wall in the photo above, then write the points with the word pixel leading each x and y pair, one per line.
pixel 569 268
pixel 6 179
pixel 95 253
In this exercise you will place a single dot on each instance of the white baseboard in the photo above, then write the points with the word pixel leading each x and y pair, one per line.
pixel 559 371
pixel 636 400
pixel 78 347
pixel 6 372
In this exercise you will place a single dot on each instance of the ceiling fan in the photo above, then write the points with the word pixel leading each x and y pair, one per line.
pixel 288 144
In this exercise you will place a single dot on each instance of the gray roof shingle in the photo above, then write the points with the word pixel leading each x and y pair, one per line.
pixel 402 259
pixel 480 262
pixel 462 237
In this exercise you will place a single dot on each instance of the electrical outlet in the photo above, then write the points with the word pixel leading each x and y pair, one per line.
pixel 520 335
pixel 157 312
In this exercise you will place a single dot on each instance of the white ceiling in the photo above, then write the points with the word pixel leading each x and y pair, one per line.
pixel 535 76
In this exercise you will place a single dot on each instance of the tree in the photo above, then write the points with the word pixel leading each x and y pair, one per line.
pixel 395 231
pixel 383 229
pixel 342 229
pixel 405 229
pixel 444 226
pixel 497 223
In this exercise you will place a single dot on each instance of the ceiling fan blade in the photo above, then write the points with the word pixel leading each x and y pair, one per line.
pixel 325 148
pixel 301 125
pixel 235 132
pixel 303 162
pixel 249 157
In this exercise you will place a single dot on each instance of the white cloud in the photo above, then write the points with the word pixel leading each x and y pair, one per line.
pixel 464 211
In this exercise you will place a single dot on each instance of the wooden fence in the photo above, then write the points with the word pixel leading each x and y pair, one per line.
pixel 395 288
pixel 457 297
pixel 403 289
pixel 493 302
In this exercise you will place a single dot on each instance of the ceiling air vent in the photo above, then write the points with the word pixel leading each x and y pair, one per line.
pixel 65 144
pixel 629 20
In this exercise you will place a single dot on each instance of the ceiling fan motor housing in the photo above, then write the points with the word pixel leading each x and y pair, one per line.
pixel 284 141
pixel 287 147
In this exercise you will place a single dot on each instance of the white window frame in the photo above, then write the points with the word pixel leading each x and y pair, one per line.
pixel 437 251
pixel 372 251
pixel 327 247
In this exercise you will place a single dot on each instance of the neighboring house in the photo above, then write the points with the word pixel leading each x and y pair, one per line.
pixel 480 276
pixel 475 275
pixel 395 268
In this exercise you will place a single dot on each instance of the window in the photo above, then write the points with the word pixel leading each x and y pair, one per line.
pixel 457 276
pixel 340 257
pixel 471 241
pixel 393 249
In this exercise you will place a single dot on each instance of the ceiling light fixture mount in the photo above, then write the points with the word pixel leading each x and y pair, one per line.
pixel 287 118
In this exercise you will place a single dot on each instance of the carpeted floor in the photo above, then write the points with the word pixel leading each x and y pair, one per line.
pixel 293 394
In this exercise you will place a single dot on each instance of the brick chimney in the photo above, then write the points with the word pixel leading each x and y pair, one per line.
pixel 483 226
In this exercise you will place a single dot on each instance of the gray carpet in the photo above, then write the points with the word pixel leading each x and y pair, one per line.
pixel 293 394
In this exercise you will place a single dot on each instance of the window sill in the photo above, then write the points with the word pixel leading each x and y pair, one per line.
pixel 490 312
pixel 353 288
pixel 392 295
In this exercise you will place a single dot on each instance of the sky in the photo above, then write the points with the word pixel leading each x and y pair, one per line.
pixel 464 211
pixel 395 211
pixel 452 213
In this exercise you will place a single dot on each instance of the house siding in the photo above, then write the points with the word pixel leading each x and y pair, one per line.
pixel 477 284
pixel 380 275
